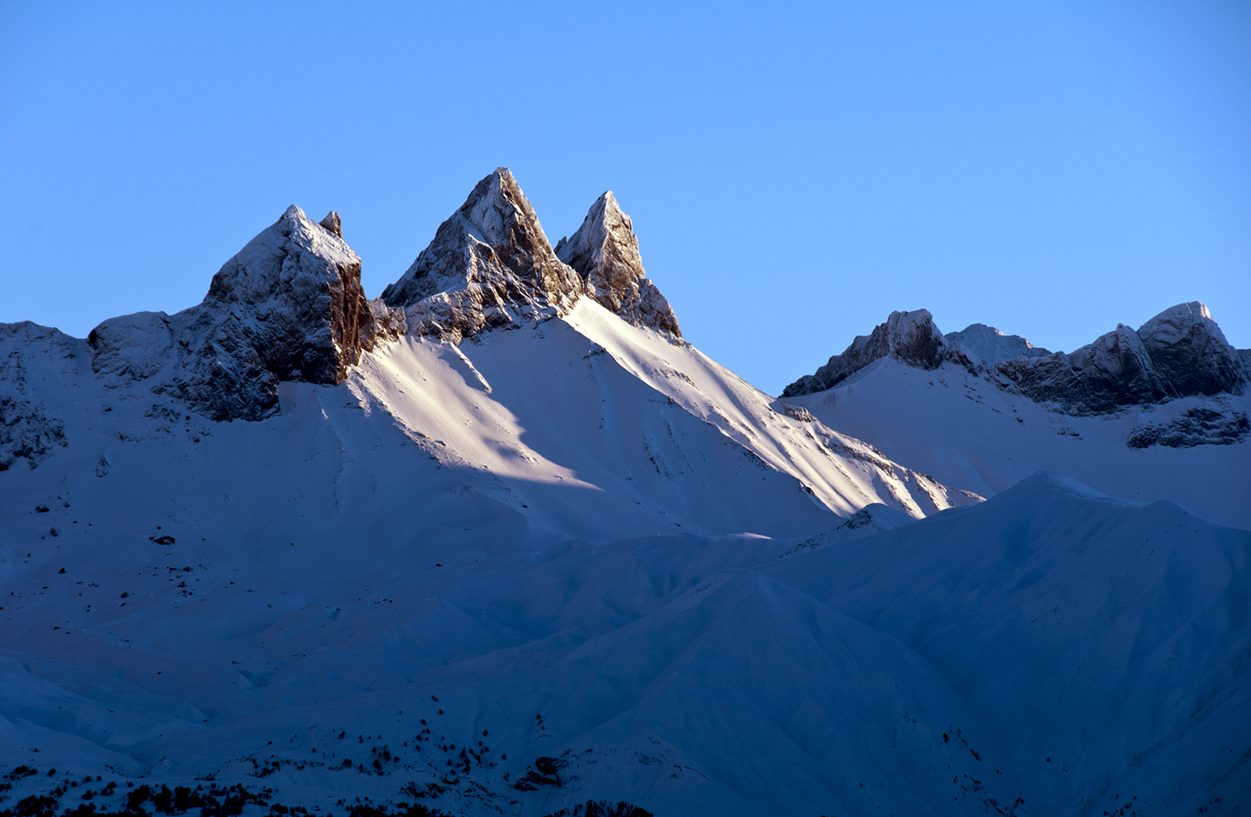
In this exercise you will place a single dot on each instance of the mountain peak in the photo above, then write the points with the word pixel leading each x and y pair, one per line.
pixel 605 252
pixel 986 343
pixel 909 337
pixel 496 207
pixel 489 265
pixel 288 306
pixel 1190 351
pixel 332 224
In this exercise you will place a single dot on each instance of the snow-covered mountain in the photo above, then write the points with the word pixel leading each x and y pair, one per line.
pixel 1157 413
pixel 503 542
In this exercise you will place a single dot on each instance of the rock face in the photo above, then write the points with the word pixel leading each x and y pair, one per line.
pixel 1189 350
pixel 1113 372
pixel 909 337
pixel 605 252
pixel 1179 353
pixel 288 306
pixel 490 265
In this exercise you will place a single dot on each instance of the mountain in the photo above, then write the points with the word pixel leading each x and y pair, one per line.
pixel 288 306
pixel 1155 413
pixel 605 252
pixel 503 542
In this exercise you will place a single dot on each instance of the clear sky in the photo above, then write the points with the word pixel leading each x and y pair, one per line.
pixel 795 171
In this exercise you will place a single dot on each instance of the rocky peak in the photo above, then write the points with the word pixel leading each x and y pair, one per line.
pixel 909 337
pixel 605 252
pixel 1190 351
pixel 987 344
pixel 288 306
pixel 489 265
pixel 1179 353
pixel 332 224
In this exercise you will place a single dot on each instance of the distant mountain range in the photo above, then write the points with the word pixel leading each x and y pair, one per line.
pixel 502 541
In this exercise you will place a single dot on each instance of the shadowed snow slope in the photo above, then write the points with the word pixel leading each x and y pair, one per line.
pixel 1048 652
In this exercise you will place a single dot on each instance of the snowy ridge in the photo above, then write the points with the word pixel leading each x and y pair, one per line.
pixel 1180 353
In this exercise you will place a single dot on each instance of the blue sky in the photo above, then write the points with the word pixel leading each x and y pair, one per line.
pixel 795 171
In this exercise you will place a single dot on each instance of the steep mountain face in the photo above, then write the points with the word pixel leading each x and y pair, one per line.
pixel 1113 372
pixel 1179 353
pixel 29 354
pixel 489 265
pixel 288 307
pixel 605 252
pixel 1191 354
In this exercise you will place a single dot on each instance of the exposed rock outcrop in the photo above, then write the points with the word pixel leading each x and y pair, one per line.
pixel 909 337
pixel 605 252
pixel 1179 353
pixel 1195 426
pixel 1113 372
pixel 28 354
pixel 1189 350
pixel 490 265
pixel 288 306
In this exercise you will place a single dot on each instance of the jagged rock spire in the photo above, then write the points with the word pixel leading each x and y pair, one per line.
pixel 605 252
pixel 490 264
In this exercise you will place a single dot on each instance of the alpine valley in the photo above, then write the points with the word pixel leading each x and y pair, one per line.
pixel 503 542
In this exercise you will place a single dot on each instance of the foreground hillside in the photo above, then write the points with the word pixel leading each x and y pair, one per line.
pixel 1050 652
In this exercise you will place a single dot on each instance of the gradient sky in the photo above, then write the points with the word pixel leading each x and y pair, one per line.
pixel 795 171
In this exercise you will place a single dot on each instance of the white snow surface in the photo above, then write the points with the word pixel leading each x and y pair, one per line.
pixel 585 540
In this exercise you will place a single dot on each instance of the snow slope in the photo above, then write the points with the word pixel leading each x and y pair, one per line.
pixel 967 432
pixel 1048 652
